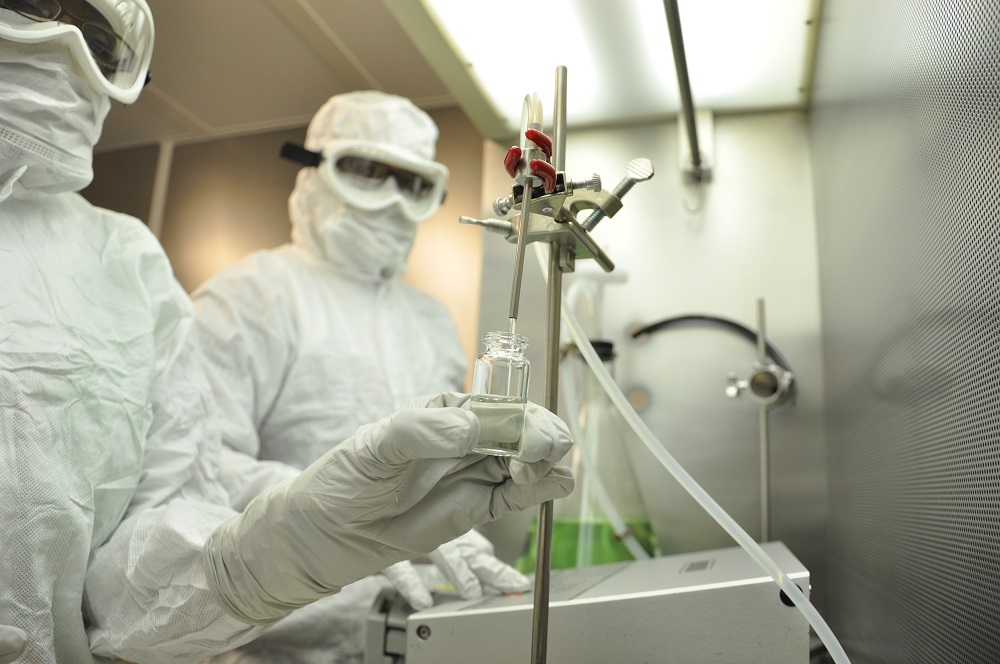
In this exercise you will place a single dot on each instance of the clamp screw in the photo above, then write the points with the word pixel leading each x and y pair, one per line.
pixel 592 184
pixel 498 226
pixel 638 170
pixel 503 205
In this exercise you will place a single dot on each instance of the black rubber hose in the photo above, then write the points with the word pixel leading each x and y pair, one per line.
pixel 695 319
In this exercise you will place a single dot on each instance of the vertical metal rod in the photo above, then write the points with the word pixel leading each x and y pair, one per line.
pixel 765 457
pixel 543 550
pixel 543 553
pixel 683 82
pixel 540 618
pixel 761 332
pixel 765 489
pixel 559 122
pixel 554 307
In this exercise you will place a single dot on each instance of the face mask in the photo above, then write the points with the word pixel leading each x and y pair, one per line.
pixel 50 119
pixel 373 244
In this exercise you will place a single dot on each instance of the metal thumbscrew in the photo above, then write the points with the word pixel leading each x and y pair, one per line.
pixel 638 170
pixel 498 226
pixel 503 205
pixel 593 183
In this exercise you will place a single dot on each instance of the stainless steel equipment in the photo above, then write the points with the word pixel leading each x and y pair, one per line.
pixel 696 607
pixel 551 217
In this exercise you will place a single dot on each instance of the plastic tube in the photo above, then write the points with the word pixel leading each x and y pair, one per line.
pixel 707 503
pixel 588 295
pixel 600 492
pixel 573 406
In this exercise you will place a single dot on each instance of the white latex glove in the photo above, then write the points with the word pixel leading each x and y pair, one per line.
pixel 467 562
pixel 12 643
pixel 396 490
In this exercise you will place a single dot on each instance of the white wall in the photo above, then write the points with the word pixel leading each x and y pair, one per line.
pixel 753 236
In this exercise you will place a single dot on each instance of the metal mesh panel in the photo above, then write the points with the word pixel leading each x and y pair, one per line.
pixel 906 142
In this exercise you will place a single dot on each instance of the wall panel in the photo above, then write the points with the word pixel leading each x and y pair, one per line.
pixel 906 145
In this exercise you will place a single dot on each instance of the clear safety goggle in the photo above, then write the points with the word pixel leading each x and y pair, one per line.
pixel 375 176
pixel 111 40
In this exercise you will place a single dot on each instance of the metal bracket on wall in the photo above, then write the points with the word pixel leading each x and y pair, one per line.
pixel 692 168
pixel 705 136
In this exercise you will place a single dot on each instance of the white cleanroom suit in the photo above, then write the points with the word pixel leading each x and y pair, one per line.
pixel 107 452
pixel 119 541
pixel 319 336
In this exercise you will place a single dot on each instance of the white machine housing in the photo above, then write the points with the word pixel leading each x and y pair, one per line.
pixel 709 606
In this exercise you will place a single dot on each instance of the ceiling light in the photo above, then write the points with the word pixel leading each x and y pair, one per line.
pixel 741 56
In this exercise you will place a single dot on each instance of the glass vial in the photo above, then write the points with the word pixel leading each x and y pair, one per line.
pixel 500 392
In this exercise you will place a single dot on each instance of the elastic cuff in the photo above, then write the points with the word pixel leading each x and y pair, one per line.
pixel 215 565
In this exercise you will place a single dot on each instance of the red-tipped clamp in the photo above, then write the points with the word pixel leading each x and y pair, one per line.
pixel 546 171
pixel 538 167
pixel 543 142
pixel 511 160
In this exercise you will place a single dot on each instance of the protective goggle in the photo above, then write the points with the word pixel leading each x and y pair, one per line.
pixel 111 40
pixel 374 176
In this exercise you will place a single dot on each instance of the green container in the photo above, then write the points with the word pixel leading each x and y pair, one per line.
pixel 605 546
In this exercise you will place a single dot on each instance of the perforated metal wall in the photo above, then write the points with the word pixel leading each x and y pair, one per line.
pixel 905 129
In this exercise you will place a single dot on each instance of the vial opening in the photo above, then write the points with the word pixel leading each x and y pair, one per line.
pixel 505 341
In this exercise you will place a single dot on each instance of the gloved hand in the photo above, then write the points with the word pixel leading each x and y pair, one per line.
pixel 12 643
pixel 396 490
pixel 467 562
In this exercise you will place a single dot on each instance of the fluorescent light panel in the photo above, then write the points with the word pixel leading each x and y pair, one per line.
pixel 741 54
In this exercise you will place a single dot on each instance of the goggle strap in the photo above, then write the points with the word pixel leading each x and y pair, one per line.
pixel 300 155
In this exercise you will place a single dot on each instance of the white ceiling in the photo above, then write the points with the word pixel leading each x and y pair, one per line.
pixel 228 67
pixel 742 55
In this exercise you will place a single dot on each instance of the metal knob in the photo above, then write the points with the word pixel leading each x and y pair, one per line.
pixel 591 184
pixel 638 170
pixel 503 205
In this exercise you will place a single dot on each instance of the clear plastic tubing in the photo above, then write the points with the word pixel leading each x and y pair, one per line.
pixel 706 501
pixel 592 474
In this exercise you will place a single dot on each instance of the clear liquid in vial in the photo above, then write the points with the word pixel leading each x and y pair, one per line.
pixel 501 420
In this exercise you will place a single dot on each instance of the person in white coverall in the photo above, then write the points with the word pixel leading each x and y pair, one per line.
pixel 319 336
pixel 119 541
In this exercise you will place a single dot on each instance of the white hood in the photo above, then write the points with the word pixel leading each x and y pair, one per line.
pixel 369 244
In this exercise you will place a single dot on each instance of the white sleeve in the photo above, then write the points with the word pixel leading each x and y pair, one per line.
pixel 244 335
pixel 245 476
pixel 146 594
pixel 244 340
pixel 148 597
